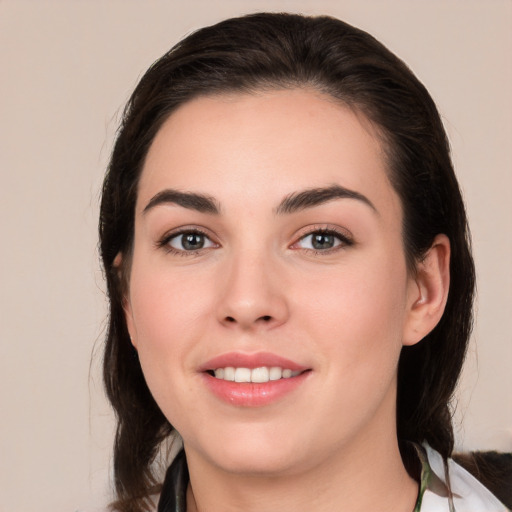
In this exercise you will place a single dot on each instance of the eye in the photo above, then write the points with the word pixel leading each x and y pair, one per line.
pixel 188 241
pixel 322 241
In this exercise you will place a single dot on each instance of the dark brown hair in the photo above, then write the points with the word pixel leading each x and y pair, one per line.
pixel 493 469
pixel 276 51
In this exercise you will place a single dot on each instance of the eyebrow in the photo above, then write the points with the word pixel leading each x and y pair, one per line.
pixel 292 203
pixel 316 196
pixel 191 200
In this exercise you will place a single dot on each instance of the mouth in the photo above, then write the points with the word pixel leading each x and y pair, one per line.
pixel 253 379
pixel 258 375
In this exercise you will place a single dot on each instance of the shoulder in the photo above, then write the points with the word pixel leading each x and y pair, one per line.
pixel 493 469
pixel 468 494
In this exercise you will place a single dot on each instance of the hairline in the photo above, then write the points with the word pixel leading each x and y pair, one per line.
pixel 261 86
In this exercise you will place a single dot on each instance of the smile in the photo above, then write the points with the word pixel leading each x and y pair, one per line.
pixel 253 380
pixel 258 375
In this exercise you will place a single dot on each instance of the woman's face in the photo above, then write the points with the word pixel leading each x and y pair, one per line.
pixel 268 243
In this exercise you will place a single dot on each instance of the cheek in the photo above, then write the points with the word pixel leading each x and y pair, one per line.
pixel 357 315
pixel 160 324
pixel 173 313
pixel 166 333
pixel 165 304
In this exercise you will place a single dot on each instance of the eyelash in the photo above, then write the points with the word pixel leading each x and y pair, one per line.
pixel 343 239
pixel 164 243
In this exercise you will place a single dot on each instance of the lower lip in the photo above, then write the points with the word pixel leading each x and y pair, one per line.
pixel 253 394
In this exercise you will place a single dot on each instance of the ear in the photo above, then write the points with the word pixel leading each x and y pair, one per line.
pixel 128 316
pixel 428 292
pixel 130 324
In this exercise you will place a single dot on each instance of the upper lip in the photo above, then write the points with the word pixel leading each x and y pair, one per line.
pixel 256 360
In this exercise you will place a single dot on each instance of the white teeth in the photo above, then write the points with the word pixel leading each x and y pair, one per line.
pixel 242 375
pixel 259 375
pixel 275 373
pixel 229 373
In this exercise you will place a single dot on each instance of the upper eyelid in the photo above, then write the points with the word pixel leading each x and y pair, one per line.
pixel 187 229
pixel 175 232
pixel 324 228
pixel 344 234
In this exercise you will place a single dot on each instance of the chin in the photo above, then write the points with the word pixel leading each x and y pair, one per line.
pixel 252 456
pixel 262 462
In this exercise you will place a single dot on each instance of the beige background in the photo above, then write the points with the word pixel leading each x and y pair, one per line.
pixel 66 69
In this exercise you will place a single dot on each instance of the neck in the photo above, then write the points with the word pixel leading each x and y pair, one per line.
pixel 356 480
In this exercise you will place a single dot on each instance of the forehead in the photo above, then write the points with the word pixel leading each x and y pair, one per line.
pixel 269 143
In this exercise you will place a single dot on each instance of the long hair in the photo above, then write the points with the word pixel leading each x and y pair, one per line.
pixel 279 51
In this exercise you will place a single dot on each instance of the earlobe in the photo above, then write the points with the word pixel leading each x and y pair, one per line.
pixel 118 260
pixel 117 264
pixel 428 292
pixel 128 316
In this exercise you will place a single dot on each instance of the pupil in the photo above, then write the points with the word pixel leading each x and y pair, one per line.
pixel 193 241
pixel 323 241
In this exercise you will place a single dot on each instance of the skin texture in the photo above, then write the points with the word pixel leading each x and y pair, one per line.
pixel 258 285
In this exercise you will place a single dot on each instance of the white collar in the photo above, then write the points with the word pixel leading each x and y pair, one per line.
pixel 469 495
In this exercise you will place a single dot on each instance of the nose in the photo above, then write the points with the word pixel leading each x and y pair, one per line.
pixel 253 294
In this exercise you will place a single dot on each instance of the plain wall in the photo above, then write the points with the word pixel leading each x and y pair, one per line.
pixel 66 70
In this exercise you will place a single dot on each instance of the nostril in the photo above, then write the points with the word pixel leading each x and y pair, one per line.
pixel 266 318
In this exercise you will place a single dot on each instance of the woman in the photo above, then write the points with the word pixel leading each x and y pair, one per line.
pixel 290 280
